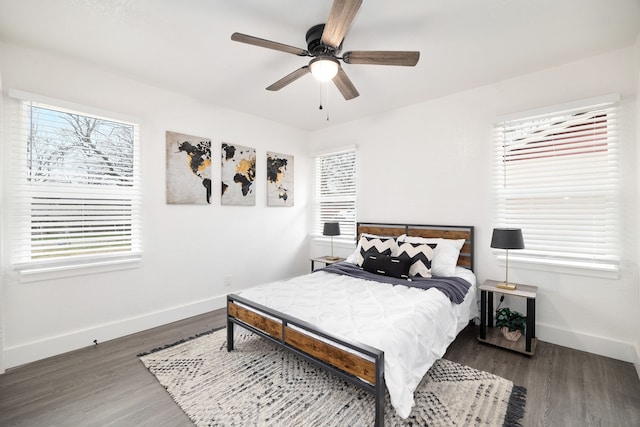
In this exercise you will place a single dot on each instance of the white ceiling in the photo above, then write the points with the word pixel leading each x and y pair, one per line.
pixel 185 46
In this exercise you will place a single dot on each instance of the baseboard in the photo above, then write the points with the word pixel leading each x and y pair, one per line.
pixel 637 361
pixel 30 352
pixel 37 350
pixel 602 346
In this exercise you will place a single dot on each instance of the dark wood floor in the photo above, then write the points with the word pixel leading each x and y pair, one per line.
pixel 106 385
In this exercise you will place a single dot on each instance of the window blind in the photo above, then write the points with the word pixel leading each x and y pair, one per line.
pixel 75 186
pixel 336 193
pixel 556 177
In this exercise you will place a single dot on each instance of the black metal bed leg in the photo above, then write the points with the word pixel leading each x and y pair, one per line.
pixel 229 335
pixel 379 408
pixel 379 392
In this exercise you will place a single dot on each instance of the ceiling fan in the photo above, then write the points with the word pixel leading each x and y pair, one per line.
pixel 324 44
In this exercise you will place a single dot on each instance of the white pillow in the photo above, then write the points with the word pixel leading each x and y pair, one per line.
pixel 352 258
pixel 445 254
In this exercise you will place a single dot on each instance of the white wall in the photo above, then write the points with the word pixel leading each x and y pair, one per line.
pixel 637 71
pixel 431 163
pixel 188 250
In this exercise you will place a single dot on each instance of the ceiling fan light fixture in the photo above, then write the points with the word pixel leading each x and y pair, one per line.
pixel 324 68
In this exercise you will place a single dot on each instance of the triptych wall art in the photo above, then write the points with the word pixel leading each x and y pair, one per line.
pixel 189 173
pixel 188 169
pixel 238 171
pixel 279 179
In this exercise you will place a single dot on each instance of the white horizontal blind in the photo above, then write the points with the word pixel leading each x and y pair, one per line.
pixel 556 177
pixel 336 193
pixel 75 186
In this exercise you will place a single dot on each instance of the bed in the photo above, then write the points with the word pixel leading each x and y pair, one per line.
pixel 366 330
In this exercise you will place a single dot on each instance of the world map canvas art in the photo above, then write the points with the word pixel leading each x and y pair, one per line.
pixel 188 169
pixel 238 171
pixel 279 179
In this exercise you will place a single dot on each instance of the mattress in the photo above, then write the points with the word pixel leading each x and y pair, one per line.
pixel 412 326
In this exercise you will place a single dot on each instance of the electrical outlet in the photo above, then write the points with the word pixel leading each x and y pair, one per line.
pixel 227 280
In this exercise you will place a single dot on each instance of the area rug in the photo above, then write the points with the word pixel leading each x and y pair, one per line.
pixel 259 384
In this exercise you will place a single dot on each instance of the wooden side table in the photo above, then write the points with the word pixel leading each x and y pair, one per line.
pixel 325 259
pixel 493 336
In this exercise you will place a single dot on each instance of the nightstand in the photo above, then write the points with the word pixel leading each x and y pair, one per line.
pixel 325 259
pixel 493 336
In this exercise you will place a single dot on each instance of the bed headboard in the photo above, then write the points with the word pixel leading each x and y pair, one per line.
pixel 466 258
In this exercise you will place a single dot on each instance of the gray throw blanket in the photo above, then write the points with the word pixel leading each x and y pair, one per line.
pixel 455 288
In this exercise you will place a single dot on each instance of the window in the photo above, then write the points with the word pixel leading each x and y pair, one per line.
pixel 335 192
pixel 75 188
pixel 556 177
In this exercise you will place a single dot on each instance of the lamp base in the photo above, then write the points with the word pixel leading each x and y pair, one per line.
pixel 505 285
pixel 332 258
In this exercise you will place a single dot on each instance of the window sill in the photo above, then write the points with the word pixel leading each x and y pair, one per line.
pixel 579 268
pixel 37 272
pixel 337 242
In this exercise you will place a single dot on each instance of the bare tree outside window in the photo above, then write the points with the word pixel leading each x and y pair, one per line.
pixel 81 190
pixel 75 149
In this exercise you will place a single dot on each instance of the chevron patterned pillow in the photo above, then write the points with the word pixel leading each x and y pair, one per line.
pixel 419 256
pixel 375 245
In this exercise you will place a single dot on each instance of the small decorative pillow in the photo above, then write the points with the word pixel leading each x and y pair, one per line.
pixel 387 266
pixel 375 245
pixel 445 255
pixel 355 256
pixel 419 256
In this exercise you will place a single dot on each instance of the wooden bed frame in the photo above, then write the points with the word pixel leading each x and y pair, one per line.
pixel 363 365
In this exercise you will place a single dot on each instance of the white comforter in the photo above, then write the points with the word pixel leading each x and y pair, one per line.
pixel 413 327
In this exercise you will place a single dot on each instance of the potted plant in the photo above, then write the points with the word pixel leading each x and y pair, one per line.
pixel 511 323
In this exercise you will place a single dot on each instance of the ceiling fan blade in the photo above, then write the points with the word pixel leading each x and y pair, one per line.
pixel 344 85
pixel 382 57
pixel 340 19
pixel 289 78
pixel 257 41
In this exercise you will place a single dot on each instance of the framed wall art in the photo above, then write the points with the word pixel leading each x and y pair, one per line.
pixel 279 179
pixel 238 170
pixel 188 169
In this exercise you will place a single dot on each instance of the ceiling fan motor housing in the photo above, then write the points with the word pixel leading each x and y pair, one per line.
pixel 315 46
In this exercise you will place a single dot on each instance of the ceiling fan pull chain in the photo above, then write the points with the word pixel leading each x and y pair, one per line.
pixel 324 100
pixel 325 86
pixel 326 91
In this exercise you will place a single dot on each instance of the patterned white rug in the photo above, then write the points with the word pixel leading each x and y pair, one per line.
pixel 258 384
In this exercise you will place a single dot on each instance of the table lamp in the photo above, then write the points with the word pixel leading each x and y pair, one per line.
pixel 507 238
pixel 331 229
